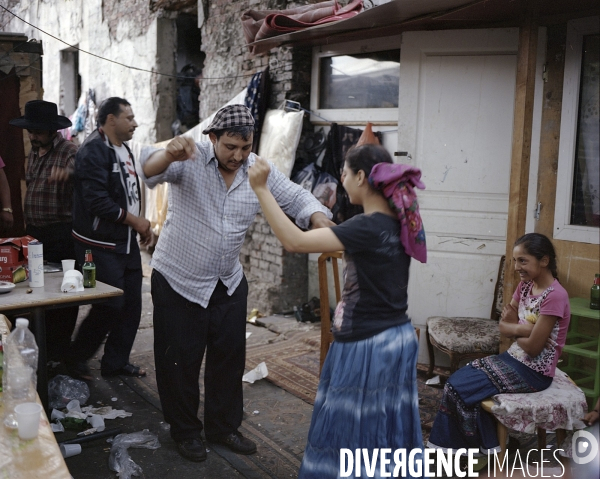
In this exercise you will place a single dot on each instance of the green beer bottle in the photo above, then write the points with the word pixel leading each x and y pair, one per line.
pixel 89 270
pixel 595 293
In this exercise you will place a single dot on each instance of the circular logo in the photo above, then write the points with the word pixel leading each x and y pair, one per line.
pixel 585 447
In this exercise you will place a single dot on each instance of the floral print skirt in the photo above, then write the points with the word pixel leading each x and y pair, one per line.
pixel 460 421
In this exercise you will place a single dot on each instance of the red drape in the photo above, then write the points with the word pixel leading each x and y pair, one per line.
pixel 259 24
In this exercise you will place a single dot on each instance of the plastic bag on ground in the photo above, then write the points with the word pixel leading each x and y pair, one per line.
pixel 63 389
pixel 119 459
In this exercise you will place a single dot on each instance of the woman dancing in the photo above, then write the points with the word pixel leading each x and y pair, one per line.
pixel 367 395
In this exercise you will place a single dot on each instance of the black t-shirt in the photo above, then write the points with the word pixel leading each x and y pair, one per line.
pixel 375 277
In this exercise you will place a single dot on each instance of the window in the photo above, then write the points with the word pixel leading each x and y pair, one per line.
pixel 363 80
pixel 577 212
pixel 585 209
pixel 70 81
pixel 356 81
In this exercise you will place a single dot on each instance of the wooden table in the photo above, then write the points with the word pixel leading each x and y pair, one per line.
pixel 39 457
pixel 49 297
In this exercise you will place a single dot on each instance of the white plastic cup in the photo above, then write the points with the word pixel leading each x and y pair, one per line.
pixel 28 419
pixel 68 265
pixel 68 450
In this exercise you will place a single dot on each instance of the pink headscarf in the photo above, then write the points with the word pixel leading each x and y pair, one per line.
pixel 397 183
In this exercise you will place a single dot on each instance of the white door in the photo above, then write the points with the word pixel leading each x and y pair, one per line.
pixel 456 103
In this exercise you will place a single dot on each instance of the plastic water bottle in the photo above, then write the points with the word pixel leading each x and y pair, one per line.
pixel 19 368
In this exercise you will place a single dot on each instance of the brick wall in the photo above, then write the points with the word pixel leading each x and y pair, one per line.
pixel 278 280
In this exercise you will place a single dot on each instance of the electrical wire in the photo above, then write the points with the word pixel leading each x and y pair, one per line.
pixel 122 64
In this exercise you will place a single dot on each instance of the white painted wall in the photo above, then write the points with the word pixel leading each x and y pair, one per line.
pixel 80 23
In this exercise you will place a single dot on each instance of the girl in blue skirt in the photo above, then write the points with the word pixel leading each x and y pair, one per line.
pixel 538 319
pixel 367 395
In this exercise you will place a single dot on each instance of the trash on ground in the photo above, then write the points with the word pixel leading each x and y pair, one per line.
pixel 57 426
pixel 68 450
pixel 257 373
pixel 56 414
pixel 76 417
pixel 74 407
pixel 63 389
pixel 96 421
pixel 107 412
pixel 119 459
pixel 91 435
pixel 433 381
pixel 73 423
pixel 254 315
pixel 248 335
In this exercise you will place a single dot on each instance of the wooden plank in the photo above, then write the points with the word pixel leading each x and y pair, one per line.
pixel 521 151
pixel 550 131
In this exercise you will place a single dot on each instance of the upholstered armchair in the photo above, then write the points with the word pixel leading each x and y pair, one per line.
pixel 464 338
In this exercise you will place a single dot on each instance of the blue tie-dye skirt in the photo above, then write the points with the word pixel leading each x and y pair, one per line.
pixel 367 398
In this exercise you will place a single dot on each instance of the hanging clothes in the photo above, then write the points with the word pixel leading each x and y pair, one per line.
pixel 339 140
pixel 257 97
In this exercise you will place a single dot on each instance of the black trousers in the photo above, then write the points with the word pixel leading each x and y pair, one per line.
pixel 58 244
pixel 118 317
pixel 183 330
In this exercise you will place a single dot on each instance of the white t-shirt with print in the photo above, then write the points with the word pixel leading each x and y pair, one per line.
pixel 133 199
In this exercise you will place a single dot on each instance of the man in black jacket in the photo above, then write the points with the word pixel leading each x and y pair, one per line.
pixel 106 220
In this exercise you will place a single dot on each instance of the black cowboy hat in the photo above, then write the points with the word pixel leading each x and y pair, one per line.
pixel 41 115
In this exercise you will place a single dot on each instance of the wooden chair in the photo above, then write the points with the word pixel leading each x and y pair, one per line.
pixel 555 409
pixel 466 338
pixel 326 334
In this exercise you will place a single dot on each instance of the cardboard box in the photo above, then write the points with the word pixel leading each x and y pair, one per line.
pixel 13 254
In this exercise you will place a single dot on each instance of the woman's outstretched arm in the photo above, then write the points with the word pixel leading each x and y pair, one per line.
pixel 293 239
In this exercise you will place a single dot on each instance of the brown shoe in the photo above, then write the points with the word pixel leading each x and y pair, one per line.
pixel 237 443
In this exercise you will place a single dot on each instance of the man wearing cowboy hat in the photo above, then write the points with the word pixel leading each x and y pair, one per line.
pixel 199 291
pixel 49 204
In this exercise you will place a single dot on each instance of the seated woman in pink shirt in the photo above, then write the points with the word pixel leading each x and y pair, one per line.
pixel 538 318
